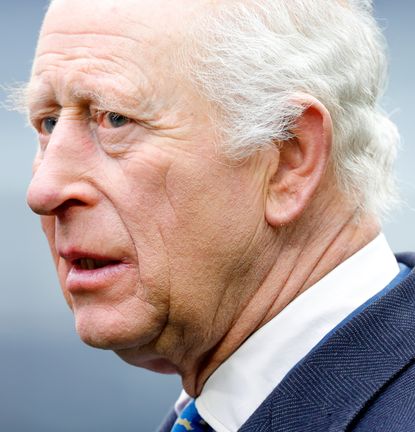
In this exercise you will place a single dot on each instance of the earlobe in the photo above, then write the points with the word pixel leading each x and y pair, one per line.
pixel 303 162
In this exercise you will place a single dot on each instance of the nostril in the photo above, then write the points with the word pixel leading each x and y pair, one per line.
pixel 69 204
pixel 44 202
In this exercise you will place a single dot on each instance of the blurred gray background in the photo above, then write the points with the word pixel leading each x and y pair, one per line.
pixel 49 380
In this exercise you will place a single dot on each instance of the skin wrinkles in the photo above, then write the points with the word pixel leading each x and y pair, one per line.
pixel 222 295
pixel 142 113
pixel 213 321
pixel 276 293
pixel 168 312
pixel 119 107
pixel 205 259
pixel 95 34
pixel 87 176
pixel 167 315
pixel 243 262
pixel 245 303
pixel 75 57
pixel 99 64
pixel 81 96
pixel 72 54
pixel 325 252
pixel 183 331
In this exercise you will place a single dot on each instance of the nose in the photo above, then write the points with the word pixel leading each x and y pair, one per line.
pixel 62 174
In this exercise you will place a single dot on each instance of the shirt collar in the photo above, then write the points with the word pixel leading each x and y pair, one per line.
pixel 237 388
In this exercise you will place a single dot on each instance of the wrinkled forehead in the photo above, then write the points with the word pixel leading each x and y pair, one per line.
pixel 128 32
pixel 146 20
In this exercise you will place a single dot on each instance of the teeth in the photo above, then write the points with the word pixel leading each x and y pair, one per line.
pixel 91 264
pixel 83 263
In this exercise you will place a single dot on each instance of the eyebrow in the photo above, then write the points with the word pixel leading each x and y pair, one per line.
pixel 31 97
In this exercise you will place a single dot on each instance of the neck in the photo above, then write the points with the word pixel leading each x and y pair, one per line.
pixel 299 261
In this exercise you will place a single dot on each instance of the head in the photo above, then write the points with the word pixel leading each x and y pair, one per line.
pixel 163 190
pixel 128 183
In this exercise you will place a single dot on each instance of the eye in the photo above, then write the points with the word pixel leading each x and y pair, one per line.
pixel 47 125
pixel 113 120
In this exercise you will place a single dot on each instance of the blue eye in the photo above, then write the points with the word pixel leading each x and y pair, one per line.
pixel 48 124
pixel 117 120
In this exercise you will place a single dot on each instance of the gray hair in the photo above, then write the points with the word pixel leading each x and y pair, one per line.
pixel 252 58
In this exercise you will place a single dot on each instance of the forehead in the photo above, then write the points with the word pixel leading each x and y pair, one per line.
pixel 144 19
pixel 84 40
pixel 104 25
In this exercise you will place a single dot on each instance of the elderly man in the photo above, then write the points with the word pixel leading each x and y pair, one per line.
pixel 211 177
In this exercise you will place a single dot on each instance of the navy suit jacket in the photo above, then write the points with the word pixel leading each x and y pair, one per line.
pixel 360 377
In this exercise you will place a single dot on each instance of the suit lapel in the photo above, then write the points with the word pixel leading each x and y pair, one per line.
pixel 335 381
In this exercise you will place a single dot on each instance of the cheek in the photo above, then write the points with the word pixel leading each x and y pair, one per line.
pixel 144 218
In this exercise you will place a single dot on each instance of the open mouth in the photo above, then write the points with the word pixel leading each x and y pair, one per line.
pixel 92 264
pixel 89 271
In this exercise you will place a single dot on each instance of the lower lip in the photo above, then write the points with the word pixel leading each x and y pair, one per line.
pixel 79 280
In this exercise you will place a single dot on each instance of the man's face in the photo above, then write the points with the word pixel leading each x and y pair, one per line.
pixel 151 231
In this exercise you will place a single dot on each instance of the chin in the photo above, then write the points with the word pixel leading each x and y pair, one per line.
pixel 110 330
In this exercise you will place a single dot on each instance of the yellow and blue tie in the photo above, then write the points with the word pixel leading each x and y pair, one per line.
pixel 190 420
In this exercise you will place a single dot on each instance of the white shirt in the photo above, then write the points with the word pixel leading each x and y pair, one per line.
pixel 239 385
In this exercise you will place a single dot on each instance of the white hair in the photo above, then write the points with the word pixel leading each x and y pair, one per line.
pixel 251 58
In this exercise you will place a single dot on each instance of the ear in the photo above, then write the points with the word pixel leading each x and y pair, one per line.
pixel 303 161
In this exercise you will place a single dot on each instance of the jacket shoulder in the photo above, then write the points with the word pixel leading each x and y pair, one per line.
pixel 361 378
pixel 392 409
